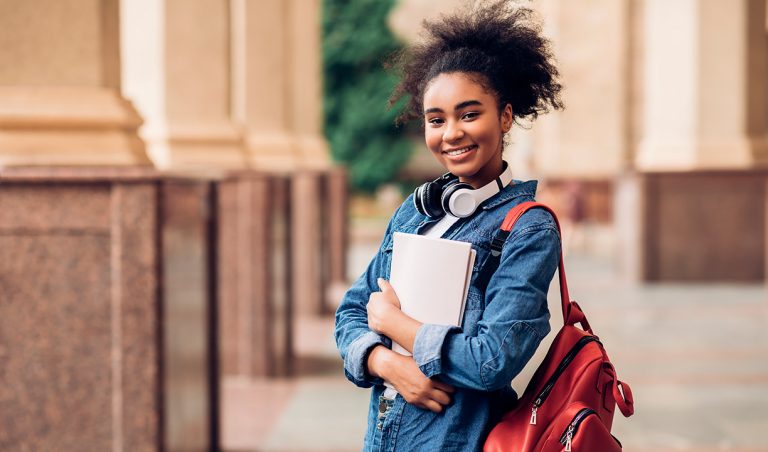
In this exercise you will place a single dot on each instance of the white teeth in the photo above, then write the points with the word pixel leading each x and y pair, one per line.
pixel 459 151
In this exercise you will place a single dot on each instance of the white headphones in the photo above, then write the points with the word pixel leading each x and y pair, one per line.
pixel 447 195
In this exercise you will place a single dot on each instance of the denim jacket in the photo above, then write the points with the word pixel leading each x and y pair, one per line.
pixel 505 319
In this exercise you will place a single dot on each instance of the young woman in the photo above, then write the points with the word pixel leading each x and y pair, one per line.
pixel 472 77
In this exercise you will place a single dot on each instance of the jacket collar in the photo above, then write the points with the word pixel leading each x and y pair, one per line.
pixel 516 189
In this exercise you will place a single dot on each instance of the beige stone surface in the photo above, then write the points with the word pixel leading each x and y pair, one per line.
pixel 51 42
pixel 235 85
pixel 406 17
pixel 265 99
pixel 306 90
pixel 201 129
pixel 68 126
pixel 589 138
pixel 704 86
pixel 59 78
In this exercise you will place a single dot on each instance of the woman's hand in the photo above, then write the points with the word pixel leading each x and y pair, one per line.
pixel 404 374
pixel 383 308
pixel 385 317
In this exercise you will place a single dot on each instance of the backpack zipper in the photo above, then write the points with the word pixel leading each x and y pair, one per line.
pixel 560 369
pixel 567 436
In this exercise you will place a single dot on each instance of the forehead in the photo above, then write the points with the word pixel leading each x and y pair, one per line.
pixel 447 90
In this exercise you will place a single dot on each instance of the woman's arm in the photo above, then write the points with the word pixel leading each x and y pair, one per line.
pixel 514 322
pixel 366 354
pixel 354 339
pixel 368 360
pixel 404 374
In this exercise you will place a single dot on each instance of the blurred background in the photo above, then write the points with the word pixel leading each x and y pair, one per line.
pixel 187 187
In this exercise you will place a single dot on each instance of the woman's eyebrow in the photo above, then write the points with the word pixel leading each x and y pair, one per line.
pixel 458 106
pixel 467 103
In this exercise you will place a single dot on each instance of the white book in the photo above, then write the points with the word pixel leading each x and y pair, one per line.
pixel 431 277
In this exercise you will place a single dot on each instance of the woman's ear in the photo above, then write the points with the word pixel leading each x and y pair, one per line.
pixel 507 118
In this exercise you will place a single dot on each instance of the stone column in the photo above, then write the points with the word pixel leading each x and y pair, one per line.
pixel 79 314
pixel 178 70
pixel 701 144
pixel 336 237
pixel 262 84
pixel 276 59
pixel 705 85
pixel 201 131
pixel 254 275
pixel 587 140
pixel 306 87
pixel 60 101
pixel 306 242
pixel 187 248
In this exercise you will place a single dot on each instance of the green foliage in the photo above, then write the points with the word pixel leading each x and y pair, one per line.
pixel 358 124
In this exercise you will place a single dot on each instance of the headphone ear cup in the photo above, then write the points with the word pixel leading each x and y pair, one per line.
pixel 431 200
pixel 418 198
pixel 448 192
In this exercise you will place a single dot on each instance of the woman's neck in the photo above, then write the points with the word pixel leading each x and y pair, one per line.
pixel 486 174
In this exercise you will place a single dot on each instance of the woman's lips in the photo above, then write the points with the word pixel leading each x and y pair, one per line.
pixel 460 153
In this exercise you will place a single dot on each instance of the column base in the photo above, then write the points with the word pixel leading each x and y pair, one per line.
pixel 202 146
pixel 694 226
pixel 68 126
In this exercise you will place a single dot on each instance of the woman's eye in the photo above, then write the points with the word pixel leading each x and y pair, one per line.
pixel 435 121
pixel 470 115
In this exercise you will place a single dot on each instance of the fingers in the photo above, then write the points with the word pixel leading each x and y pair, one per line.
pixel 388 292
pixel 441 397
pixel 384 285
pixel 432 399
pixel 445 387
pixel 431 405
pixel 436 401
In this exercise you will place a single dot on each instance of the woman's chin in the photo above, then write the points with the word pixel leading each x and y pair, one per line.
pixel 463 169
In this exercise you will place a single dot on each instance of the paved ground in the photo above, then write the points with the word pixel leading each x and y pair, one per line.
pixel 696 357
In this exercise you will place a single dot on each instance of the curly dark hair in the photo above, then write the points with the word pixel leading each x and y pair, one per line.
pixel 496 43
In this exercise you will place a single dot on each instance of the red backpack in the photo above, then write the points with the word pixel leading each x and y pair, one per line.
pixel 569 403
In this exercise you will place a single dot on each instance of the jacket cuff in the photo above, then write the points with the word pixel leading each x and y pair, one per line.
pixel 428 347
pixel 355 363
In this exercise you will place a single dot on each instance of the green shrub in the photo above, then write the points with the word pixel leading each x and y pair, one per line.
pixel 358 124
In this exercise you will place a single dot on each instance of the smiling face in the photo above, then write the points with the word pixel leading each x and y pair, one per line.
pixel 463 127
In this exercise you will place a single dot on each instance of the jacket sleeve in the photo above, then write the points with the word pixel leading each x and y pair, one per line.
pixel 353 337
pixel 514 322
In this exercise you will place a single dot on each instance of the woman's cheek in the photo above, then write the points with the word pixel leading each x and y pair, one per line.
pixel 433 139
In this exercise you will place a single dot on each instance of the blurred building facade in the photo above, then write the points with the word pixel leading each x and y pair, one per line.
pixel 168 209
pixel 167 204
pixel 663 138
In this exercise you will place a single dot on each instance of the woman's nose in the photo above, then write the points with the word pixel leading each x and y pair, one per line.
pixel 452 132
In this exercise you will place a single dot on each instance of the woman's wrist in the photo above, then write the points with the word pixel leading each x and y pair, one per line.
pixel 377 361
pixel 402 329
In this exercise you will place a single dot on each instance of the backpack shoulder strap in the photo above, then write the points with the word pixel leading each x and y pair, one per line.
pixel 572 313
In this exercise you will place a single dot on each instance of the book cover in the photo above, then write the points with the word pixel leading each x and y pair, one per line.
pixel 431 277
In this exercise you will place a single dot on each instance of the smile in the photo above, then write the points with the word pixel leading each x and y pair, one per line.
pixel 455 152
